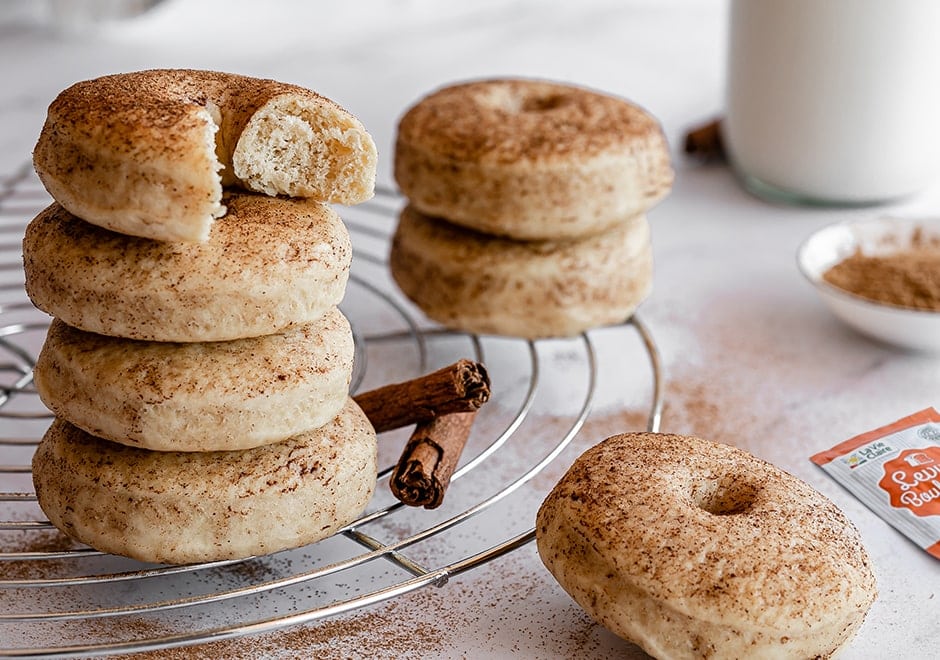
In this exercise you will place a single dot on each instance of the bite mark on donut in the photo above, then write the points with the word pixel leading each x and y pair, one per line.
pixel 289 148
pixel 216 144
pixel 148 153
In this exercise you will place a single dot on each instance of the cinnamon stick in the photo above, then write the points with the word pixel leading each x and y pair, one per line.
pixel 705 143
pixel 461 387
pixel 427 463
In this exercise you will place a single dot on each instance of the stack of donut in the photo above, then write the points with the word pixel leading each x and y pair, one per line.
pixel 527 202
pixel 197 364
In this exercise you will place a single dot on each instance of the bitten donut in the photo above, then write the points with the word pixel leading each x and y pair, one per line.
pixel 197 397
pixel 179 508
pixel 529 159
pixel 489 285
pixel 693 549
pixel 270 264
pixel 147 153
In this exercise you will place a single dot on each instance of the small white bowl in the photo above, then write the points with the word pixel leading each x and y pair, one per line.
pixel 912 329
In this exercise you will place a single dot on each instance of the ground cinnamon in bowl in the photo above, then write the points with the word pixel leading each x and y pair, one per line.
pixel 909 277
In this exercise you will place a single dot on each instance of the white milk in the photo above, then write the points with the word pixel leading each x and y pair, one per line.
pixel 834 101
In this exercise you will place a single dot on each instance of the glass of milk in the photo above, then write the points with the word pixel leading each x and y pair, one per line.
pixel 834 101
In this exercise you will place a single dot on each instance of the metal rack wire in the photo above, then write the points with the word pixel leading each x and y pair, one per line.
pixel 60 599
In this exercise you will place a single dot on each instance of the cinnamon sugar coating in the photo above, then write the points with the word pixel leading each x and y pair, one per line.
pixel 147 153
pixel 530 159
pixel 490 285
pixel 694 549
pixel 184 507
pixel 270 264
pixel 210 396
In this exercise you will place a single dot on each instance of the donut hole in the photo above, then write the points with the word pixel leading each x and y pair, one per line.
pixel 513 101
pixel 543 103
pixel 724 496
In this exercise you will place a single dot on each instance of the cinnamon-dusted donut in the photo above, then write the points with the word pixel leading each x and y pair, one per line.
pixel 530 159
pixel 693 549
pixel 270 264
pixel 198 397
pixel 489 285
pixel 147 153
pixel 184 507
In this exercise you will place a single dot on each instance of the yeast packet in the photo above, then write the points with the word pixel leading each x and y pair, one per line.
pixel 895 471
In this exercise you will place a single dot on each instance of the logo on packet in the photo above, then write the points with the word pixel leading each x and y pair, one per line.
pixel 853 461
pixel 866 453
pixel 912 481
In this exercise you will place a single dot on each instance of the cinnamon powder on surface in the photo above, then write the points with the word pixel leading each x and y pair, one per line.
pixel 713 402
pixel 907 278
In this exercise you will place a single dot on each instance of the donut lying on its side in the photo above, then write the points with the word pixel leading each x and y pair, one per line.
pixel 147 153
pixel 530 159
pixel 180 508
pixel 270 264
pixel 216 396
pixel 491 285
pixel 694 549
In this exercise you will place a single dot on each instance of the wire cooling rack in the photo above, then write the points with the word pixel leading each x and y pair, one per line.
pixel 58 598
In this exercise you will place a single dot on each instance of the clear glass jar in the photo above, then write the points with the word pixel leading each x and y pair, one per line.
pixel 834 101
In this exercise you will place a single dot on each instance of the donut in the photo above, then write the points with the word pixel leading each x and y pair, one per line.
pixel 213 396
pixel 694 549
pixel 185 507
pixel 532 160
pixel 147 153
pixel 270 264
pixel 490 285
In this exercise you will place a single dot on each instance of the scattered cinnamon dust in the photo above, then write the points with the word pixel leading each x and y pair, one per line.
pixel 906 278
pixel 35 541
pixel 44 540
pixel 333 639
pixel 251 571
pixel 714 403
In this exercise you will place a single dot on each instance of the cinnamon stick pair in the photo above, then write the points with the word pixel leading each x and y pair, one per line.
pixel 423 472
pixel 442 405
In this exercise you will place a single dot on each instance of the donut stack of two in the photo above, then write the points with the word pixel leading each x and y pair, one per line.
pixel 527 204
pixel 197 364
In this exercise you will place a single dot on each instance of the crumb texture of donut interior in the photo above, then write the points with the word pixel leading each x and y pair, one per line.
pixel 148 153
pixel 694 549
pixel 296 149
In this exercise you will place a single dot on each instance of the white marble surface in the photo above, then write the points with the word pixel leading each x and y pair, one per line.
pixel 752 356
